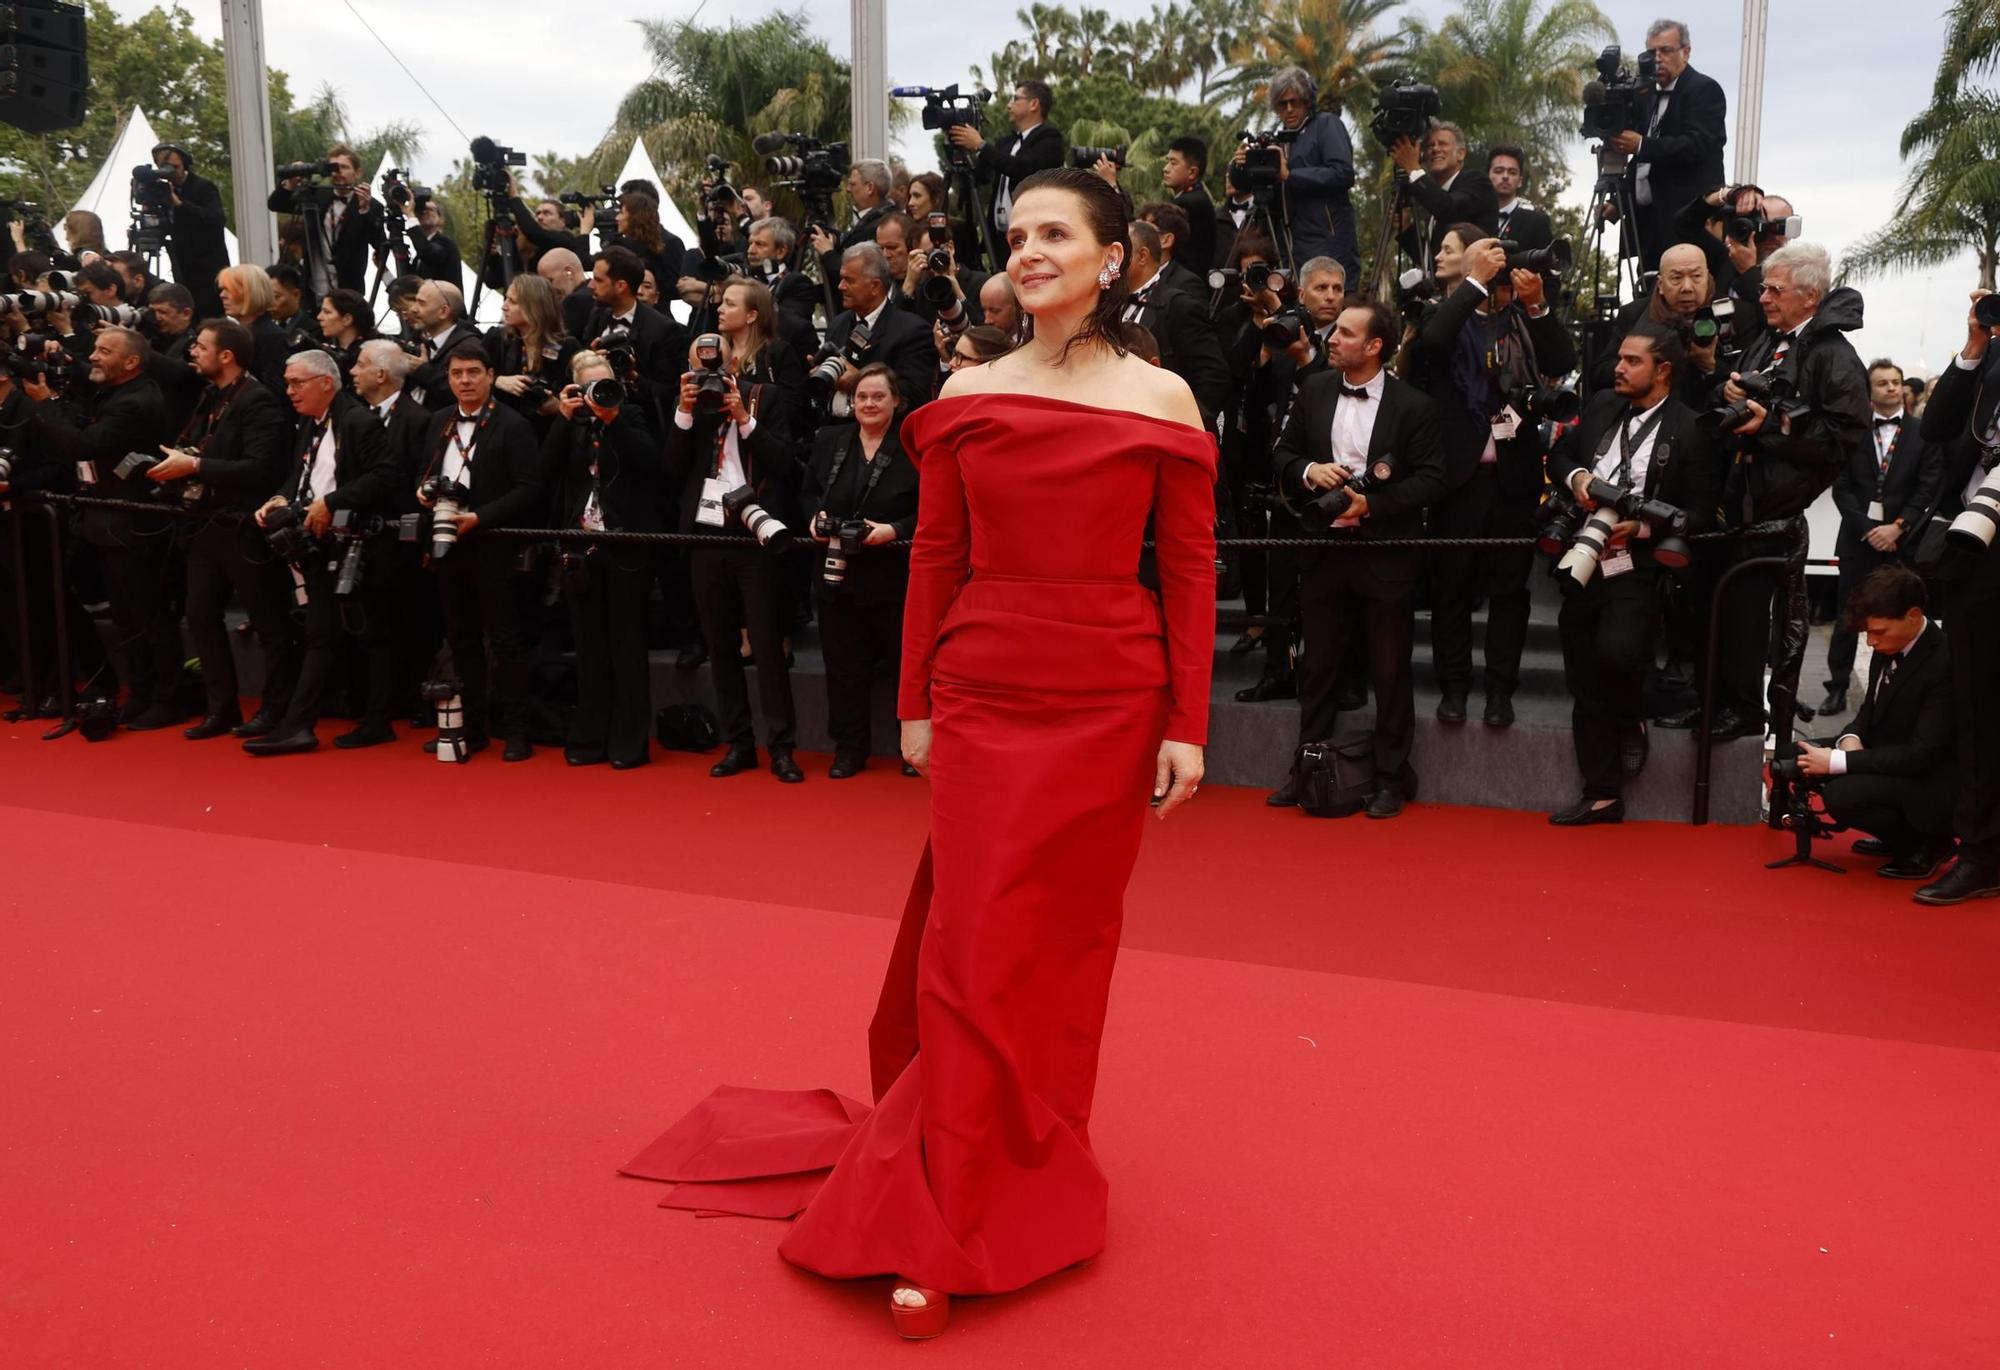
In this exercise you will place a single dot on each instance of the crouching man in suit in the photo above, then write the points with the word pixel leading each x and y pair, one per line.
pixel 1893 774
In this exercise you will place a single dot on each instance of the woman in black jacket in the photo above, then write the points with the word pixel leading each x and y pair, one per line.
pixel 531 352
pixel 612 479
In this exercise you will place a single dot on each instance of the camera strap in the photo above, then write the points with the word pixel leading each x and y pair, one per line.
pixel 593 509
pixel 880 464
pixel 1630 441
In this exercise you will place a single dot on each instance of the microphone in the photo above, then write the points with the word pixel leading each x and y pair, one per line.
pixel 1593 93
pixel 911 92
pixel 768 143
pixel 484 150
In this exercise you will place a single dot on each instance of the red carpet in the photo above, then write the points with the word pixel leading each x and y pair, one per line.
pixel 330 1060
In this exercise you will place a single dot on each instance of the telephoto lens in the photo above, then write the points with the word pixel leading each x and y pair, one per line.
pixel 446 694
pixel 6 465
pixel 1579 563
pixel 1558 518
pixel 1976 524
pixel 448 499
pixel 605 392
pixel 769 530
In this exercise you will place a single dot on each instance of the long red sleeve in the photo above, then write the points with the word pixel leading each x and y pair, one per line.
pixel 940 562
pixel 1184 548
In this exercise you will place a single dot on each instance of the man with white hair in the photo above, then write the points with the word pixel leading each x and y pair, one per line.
pixel 337 465
pixel 1803 418
pixel 1315 172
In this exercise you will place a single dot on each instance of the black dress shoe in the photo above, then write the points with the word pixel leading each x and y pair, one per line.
pixel 1386 802
pixel 846 767
pixel 1451 709
pixel 628 763
pixel 1834 703
pixel 1584 812
pixel 1269 687
pixel 1286 796
pixel 1872 846
pixel 260 724
pixel 691 657
pixel 584 756
pixel 740 757
pixel 784 767
pixel 154 717
pixel 1633 748
pixel 1681 722
pixel 1729 724
pixel 1922 864
pixel 365 735
pixel 1246 644
pixel 1967 879
pixel 1499 711
pixel 282 742
pixel 214 725
pixel 518 749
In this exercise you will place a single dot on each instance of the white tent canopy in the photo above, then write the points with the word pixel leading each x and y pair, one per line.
pixel 639 167
pixel 109 194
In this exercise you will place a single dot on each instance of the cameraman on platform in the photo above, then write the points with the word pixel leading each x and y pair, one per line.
pixel 1315 172
pixel 1811 424
pixel 340 461
pixel 195 244
pixel 433 255
pixel 1035 145
pixel 1435 179
pixel 343 223
pixel 1639 437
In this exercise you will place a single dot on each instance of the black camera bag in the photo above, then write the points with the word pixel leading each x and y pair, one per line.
pixel 1336 777
pixel 686 728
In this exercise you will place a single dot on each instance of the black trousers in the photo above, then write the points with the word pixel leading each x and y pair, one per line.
pixel 1857 562
pixel 1460 579
pixel 411 607
pixel 1743 639
pixel 1372 595
pixel 1607 633
pixel 1904 811
pixel 139 579
pixel 327 624
pixel 737 589
pixel 1971 611
pixel 222 560
pixel 481 612
pixel 321 638
pixel 855 637
pixel 614 685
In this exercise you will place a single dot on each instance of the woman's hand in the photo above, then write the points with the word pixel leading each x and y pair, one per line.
pixel 917 743
pixel 878 533
pixel 516 386
pixel 1176 775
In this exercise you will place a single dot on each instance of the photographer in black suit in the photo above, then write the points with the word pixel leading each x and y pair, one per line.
pixel 658 344
pixel 1638 437
pixel 343 223
pixel 437 313
pixel 869 182
pixel 489 449
pixel 433 254
pixel 1182 170
pixel 339 462
pixel 1344 422
pixel 1442 193
pixel 859 475
pixel 1518 221
pixel 195 244
pixel 896 337
pixel 1893 773
pixel 1177 317
pixel 1964 413
pixel 90 431
pixel 1678 156
pixel 613 480
pixel 226 462
pixel 1882 503
pixel 1035 145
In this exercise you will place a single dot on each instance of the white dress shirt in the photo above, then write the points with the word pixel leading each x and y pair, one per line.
pixel 322 478
pixel 1642 457
pixel 1353 430
pixel 455 466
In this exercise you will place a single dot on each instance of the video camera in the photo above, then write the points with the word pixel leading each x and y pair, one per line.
pixel 1259 173
pixel 490 163
pixel 1404 109
pixel 1586 543
pixel 811 168
pixel 152 208
pixel 947 107
pixel 604 203
pixel 1611 103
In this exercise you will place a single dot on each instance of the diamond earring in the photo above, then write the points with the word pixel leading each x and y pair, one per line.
pixel 1106 277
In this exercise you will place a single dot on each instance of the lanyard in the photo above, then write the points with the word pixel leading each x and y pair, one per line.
pixel 319 432
pixel 879 464
pixel 1630 442
pixel 464 448
pixel 213 417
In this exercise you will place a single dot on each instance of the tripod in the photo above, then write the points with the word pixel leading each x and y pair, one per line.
pixel 1612 193
pixel 966 183
pixel 495 244
pixel 1385 242
pixel 1805 822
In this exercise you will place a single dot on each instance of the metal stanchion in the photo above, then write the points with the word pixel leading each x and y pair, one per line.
pixel 16 533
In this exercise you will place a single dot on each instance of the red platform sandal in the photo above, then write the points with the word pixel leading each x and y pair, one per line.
pixel 916 1322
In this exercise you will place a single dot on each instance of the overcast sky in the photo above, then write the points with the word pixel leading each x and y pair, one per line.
pixel 1840 85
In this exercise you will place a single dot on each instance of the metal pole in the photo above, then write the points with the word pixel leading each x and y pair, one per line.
pixel 1750 90
pixel 250 153
pixel 871 77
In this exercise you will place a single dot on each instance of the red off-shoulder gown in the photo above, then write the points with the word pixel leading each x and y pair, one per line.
pixel 1050 675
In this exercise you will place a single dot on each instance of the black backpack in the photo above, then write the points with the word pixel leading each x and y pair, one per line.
pixel 1336 777
pixel 686 728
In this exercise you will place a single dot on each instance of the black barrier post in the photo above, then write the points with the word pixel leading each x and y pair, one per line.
pixel 1702 742
pixel 27 627
pixel 65 684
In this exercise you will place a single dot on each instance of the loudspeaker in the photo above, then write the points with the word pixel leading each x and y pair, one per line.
pixel 44 75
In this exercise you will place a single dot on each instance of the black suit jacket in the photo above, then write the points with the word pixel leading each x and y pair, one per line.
pixel 769 462
pixel 243 458
pixel 659 351
pixel 1907 727
pixel 130 418
pixel 1684 157
pixel 435 259
pixel 1907 490
pixel 364 477
pixel 875 575
pixel 506 466
pixel 1040 150
pixel 900 339
pixel 1190 347
pixel 428 383
pixel 1526 225
pixel 1198 252
pixel 404 452
pixel 1470 200
pixel 1684 470
pixel 1964 402
pixel 631 479
pixel 197 248
pixel 1406 428
pixel 358 235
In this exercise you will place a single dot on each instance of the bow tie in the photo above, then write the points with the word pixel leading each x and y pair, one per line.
pixel 1886 423
pixel 1348 392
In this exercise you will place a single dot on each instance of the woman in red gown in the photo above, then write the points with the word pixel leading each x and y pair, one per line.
pixel 1048 694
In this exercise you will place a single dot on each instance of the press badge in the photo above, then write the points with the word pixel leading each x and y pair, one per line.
pixel 1506 424
pixel 1875 510
pixel 86 473
pixel 709 512
pixel 1616 563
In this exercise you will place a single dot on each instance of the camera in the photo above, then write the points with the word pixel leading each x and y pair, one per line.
pixel 1986 311
pixel 1555 259
pixel 1286 326
pixel 1084 158
pixel 120 315
pixel 769 530
pixel 403 195
pixel 489 166
pixel 1758 387
pixel 35 303
pixel 351 534
pixel 1714 323
pixel 35 231
pixel 305 171
pixel 1259 172
pixel 855 350
pixel 604 204
pixel 947 107
pixel 134 464
pixel 712 389
pixel 31 363
pixel 1404 109
pixel 616 346
pixel 6 464
pixel 286 535
pixel 152 208
pixel 1611 103
pixel 1748 225
pixel 1615 506
pixel 1554 403
pixel 448 500
pixel 1327 507
pixel 1976 524
pixel 1257 276
pixel 446 694
pixel 606 392
pixel 844 536
pixel 1558 519
pixel 811 168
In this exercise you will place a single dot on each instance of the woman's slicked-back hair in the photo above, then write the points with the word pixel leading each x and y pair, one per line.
pixel 1105 219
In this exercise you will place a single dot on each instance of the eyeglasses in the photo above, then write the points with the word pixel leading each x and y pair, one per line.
pixel 1768 289
pixel 1289 102
pixel 1664 51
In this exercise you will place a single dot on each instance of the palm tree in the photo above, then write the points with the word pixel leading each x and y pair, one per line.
pixel 1342 44
pixel 1951 197
pixel 305 133
pixel 1051 29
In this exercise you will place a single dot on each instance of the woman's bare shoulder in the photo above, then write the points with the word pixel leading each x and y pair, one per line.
pixel 1156 392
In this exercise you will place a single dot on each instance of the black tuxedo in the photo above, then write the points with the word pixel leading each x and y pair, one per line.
pixel 1524 224
pixel 1198 252
pixel 860 620
pixel 900 339
pixel 1470 199
pixel 862 230
pixel 1177 318
pixel 1868 494
pixel 1682 160
pixel 1371 595
pixel 1901 783
pixel 429 382
pixel 659 352
pixel 1010 160
pixel 358 234
pixel 1684 470
pixel 197 248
